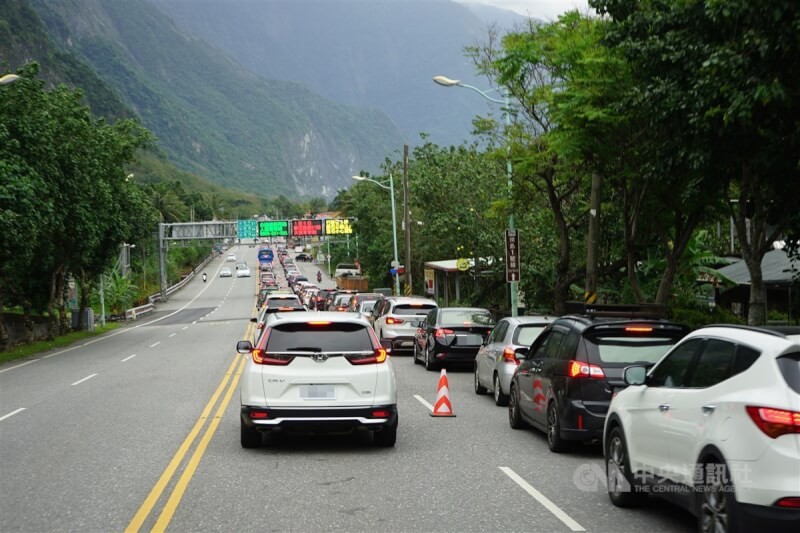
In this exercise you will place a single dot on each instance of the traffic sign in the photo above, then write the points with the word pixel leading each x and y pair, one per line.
pixel 246 229
pixel 512 255
pixel 273 228
pixel 338 226
pixel 462 264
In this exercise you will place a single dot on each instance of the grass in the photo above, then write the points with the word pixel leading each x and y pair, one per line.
pixel 26 350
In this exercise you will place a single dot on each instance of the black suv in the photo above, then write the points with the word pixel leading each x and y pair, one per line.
pixel 565 383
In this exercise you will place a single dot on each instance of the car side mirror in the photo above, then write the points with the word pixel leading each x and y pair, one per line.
pixel 244 347
pixel 635 375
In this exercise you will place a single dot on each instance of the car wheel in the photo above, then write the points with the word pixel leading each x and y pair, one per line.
pixel 250 437
pixel 416 354
pixel 716 500
pixel 514 416
pixel 554 440
pixel 499 398
pixel 479 389
pixel 429 364
pixel 386 437
pixel 622 491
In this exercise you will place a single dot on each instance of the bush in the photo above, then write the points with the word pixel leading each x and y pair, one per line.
pixel 695 317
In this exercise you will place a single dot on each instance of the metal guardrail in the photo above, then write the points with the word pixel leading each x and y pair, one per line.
pixel 133 314
pixel 153 298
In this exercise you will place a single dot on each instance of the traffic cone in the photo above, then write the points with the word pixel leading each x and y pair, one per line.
pixel 443 407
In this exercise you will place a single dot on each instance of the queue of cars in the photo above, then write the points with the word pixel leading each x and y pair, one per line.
pixel 708 419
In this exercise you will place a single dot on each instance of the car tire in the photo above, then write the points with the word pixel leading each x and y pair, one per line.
pixel 499 398
pixel 623 491
pixel 514 416
pixel 416 352
pixel 479 389
pixel 429 364
pixel 554 440
pixel 250 438
pixel 717 509
pixel 386 437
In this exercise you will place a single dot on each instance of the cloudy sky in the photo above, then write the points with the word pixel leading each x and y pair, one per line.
pixel 544 9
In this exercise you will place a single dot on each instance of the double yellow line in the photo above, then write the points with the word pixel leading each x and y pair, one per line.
pixel 231 381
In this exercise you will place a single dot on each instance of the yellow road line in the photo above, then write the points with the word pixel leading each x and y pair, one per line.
pixel 191 467
pixel 166 476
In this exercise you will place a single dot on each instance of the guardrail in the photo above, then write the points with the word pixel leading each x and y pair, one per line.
pixel 131 314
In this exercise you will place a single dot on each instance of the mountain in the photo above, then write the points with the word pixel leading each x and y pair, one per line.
pixel 213 116
pixel 372 53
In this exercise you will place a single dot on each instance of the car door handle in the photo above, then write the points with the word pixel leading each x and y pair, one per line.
pixel 663 407
pixel 708 409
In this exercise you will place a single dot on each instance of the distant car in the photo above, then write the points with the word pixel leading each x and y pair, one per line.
pixel 498 358
pixel 451 334
pixel 231 258
pixel 317 372
pixel 225 272
pixel 346 269
pixel 243 272
pixel 716 422
pixel 354 303
pixel 303 257
pixel 396 319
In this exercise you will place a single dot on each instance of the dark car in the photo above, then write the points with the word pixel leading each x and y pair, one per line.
pixel 357 298
pixel 451 334
pixel 565 383
pixel 303 257
pixel 321 301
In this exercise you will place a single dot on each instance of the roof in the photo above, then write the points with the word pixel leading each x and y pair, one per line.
pixel 776 269
pixel 450 265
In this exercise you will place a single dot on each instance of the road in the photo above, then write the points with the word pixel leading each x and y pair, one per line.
pixel 138 430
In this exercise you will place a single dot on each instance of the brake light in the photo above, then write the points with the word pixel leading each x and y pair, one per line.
pixel 392 320
pixel 577 369
pixel 440 333
pixel 509 355
pixel 775 422
pixel 320 323
pixel 378 356
pixel 791 502
pixel 638 329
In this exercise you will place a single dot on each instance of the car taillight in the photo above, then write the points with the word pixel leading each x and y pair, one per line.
pixel 259 414
pixel 510 356
pixel 792 502
pixel 392 320
pixel 381 414
pixel 577 369
pixel 261 358
pixel 775 422
pixel 440 333
pixel 378 356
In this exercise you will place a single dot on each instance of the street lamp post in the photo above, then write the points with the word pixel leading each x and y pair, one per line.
pixel 396 263
pixel 447 82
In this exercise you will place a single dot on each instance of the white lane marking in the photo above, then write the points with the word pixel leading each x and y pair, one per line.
pixel 12 413
pixel 172 335
pixel 185 327
pixel 19 365
pixel 423 402
pixel 84 379
pixel 127 358
pixel 541 498
pixel 156 344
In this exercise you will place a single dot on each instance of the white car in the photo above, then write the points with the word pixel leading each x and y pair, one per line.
pixel 231 258
pixel 317 372
pixel 715 425
pixel 243 272
pixel 225 272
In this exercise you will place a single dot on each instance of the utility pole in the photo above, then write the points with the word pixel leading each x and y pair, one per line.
pixel 407 220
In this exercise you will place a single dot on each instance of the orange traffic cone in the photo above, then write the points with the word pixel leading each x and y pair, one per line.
pixel 443 407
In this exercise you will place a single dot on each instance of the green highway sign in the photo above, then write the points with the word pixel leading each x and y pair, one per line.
pixel 247 229
pixel 273 228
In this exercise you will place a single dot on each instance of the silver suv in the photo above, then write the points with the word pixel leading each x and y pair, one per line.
pixel 396 318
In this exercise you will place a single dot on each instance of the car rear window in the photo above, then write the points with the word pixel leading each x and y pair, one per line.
pixel 413 309
pixel 789 365
pixel 459 316
pixel 630 350
pixel 525 335
pixel 330 337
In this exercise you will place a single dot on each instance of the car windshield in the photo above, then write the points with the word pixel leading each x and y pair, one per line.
pixel 525 335
pixel 467 316
pixel 368 306
pixel 413 309
pixel 629 350
pixel 324 337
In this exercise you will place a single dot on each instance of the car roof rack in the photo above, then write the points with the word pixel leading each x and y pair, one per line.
pixel 644 311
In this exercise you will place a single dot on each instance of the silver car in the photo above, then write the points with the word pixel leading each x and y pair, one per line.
pixel 499 356
pixel 397 319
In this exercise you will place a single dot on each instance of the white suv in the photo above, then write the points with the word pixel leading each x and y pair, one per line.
pixel 318 372
pixel 396 318
pixel 715 425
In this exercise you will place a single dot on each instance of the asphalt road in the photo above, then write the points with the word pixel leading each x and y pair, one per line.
pixel 138 429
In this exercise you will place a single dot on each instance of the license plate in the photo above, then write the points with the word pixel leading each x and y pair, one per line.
pixel 469 340
pixel 318 392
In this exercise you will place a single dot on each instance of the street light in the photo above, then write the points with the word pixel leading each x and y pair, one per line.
pixel 395 263
pixel 447 82
pixel 8 78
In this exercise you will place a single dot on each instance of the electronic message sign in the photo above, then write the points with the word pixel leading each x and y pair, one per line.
pixel 338 226
pixel 306 228
pixel 273 228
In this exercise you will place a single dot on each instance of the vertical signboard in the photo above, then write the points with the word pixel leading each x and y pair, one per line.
pixel 512 255
pixel 429 280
